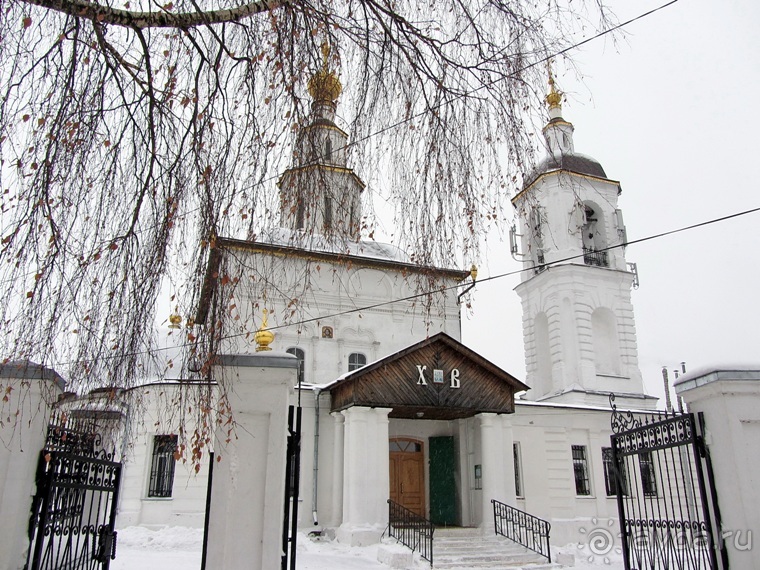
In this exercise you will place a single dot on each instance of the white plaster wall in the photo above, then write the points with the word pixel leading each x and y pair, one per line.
pixel 154 412
pixel 546 433
pixel 331 289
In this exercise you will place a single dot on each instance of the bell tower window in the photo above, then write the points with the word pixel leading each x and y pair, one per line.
pixel 592 235
pixel 328 150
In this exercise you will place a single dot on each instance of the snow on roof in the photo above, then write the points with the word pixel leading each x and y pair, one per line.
pixel 324 244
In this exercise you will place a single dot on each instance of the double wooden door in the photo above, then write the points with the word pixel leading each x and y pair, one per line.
pixel 407 474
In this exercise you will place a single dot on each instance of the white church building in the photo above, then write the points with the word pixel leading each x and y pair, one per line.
pixel 394 405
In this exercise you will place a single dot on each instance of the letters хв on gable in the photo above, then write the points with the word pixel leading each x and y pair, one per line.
pixel 438 377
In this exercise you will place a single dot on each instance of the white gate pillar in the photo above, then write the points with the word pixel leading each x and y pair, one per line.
pixel 497 464
pixel 729 398
pixel 366 478
pixel 33 389
pixel 246 516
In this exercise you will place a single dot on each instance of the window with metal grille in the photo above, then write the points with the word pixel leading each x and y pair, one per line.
pixel 648 479
pixel 580 468
pixel 610 477
pixel 162 466
pixel 518 469
pixel 356 360
pixel 301 356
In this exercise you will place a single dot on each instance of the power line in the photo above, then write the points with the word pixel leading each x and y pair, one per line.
pixel 453 287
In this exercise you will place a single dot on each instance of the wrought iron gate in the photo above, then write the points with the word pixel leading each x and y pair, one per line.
pixel 666 498
pixel 71 526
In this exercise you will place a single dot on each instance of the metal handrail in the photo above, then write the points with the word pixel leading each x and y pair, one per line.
pixel 522 528
pixel 411 530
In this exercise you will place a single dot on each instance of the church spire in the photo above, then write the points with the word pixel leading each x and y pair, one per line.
pixel 557 132
pixel 320 193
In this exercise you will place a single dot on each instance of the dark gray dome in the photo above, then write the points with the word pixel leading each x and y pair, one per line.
pixel 574 162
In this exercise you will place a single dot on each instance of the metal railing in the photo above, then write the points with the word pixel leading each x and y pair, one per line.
pixel 593 257
pixel 411 530
pixel 522 528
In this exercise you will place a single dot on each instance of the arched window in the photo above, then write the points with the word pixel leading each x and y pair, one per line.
pixel 537 238
pixel 356 360
pixel 328 150
pixel 594 240
pixel 301 356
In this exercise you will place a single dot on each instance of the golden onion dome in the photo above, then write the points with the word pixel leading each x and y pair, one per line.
pixel 325 85
pixel 263 337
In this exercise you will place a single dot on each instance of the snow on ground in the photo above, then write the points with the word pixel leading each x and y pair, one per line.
pixel 179 548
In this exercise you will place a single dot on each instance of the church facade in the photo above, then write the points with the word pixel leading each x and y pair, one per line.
pixel 394 405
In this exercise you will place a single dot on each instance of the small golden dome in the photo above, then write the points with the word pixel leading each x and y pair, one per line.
pixel 325 85
pixel 263 337
pixel 174 320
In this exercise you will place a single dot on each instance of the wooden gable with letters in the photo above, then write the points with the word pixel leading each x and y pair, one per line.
pixel 438 378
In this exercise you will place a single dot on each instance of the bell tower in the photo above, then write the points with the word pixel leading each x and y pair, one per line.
pixel 320 194
pixel 578 325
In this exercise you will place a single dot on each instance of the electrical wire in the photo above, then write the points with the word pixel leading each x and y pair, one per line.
pixel 452 287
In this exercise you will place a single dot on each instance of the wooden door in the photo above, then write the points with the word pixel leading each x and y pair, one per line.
pixel 407 474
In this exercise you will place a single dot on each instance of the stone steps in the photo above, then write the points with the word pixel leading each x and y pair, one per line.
pixel 467 549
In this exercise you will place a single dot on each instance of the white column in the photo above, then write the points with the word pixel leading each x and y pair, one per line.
pixel 337 481
pixel 365 475
pixel 497 464
pixel 246 517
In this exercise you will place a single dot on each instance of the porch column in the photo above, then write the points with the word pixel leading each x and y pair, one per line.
pixel 366 479
pixel 337 479
pixel 497 461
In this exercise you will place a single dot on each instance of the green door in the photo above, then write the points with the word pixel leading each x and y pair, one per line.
pixel 443 487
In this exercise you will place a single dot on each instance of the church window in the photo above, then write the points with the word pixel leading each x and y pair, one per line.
pixel 301 356
pixel 328 217
pixel 356 360
pixel 537 238
pixel 613 481
pixel 300 214
pixel 328 150
pixel 518 469
pixel 162 466
pixel 648 479
pixel 580 469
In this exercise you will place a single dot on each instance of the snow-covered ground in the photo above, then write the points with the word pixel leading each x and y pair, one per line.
pixel 179 548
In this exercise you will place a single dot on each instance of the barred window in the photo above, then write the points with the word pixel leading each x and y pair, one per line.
pixel 162 466
pixel 610 477
pixel 356 360
pixel 518 469
pixel 301 356
pixel 580 468
pixel 648 479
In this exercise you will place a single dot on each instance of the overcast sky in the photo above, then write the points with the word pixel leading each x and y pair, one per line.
pixel 671 112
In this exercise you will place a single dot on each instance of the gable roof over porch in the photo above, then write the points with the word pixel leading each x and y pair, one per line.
pixel 437 378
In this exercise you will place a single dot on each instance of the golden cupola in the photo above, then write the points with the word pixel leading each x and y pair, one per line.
pixel 324 86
